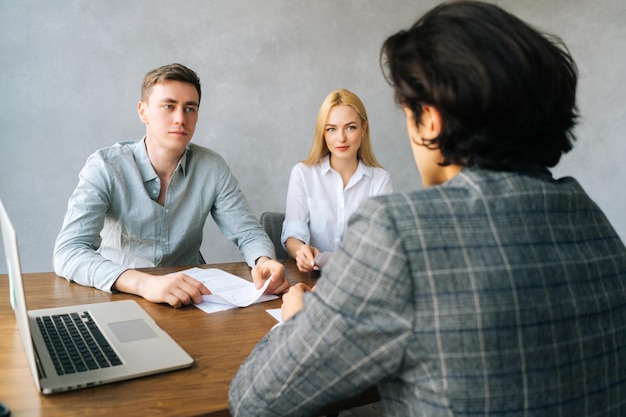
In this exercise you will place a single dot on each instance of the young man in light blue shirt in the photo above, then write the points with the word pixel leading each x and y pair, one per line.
pixel 144 204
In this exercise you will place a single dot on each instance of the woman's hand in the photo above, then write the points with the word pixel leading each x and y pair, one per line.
pixel 305 258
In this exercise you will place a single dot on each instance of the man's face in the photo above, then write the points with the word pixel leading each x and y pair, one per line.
pixel 170 115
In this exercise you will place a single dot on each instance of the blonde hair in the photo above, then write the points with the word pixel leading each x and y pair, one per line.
pixel 319 149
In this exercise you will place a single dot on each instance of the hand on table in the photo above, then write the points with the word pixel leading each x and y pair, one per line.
pixel 176 289
pixel 266 268
pixel 292 300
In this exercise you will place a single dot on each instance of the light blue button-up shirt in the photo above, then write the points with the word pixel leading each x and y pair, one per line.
pixel 114 223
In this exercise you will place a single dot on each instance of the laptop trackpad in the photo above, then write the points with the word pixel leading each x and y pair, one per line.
pixel 132 330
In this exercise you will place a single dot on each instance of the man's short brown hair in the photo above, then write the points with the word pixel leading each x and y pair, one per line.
pixel 175 72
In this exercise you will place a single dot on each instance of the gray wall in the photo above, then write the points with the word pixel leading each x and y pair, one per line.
pixel 71 71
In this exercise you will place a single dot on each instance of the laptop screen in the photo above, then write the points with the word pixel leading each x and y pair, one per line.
pixel 16 289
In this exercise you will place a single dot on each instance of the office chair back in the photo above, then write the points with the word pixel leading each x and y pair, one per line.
pixel 272 222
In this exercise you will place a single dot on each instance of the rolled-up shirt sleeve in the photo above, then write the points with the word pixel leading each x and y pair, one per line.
pixel 297 211
pixel 76 256
pixel 235 218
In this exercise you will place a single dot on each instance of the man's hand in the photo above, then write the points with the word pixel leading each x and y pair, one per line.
pixel 176 289
pixel 266 268
pixel 292 300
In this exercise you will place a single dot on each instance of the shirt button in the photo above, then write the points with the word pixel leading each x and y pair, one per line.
pixel 154 192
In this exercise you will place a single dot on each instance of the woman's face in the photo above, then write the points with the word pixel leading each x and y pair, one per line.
pixel 343 132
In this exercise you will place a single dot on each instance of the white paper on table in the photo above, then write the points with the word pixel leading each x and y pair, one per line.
pixel 277 313
pixel 227 290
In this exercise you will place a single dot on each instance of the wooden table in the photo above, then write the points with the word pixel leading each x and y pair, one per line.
pixel 218 342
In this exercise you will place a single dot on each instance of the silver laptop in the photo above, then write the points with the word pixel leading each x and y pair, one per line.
pixel 85 345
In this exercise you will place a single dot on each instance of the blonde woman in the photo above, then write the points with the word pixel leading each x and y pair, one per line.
pixel 325 189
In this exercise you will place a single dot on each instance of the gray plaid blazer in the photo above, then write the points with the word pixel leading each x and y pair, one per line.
pixel 494 294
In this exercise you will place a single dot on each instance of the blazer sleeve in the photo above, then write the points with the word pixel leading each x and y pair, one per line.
pixel 352 332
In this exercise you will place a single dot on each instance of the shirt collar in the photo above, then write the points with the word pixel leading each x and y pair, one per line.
pixel 361 169
pixel 325 164
pixel 145 166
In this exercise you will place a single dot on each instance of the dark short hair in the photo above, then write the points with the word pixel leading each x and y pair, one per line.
pixel 175 72
pixel 506 92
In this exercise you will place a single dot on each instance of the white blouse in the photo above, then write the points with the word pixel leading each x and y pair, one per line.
pixel 318 207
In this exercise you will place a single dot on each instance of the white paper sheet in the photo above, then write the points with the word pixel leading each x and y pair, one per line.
pixel 227 290
pixel 277 313
pixel 322 259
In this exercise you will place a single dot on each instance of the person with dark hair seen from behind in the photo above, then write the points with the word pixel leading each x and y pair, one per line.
pixel 324 190
pixel 144 204
pixel 495 290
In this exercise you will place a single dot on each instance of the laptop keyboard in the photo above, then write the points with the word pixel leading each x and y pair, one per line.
pixel 75 343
